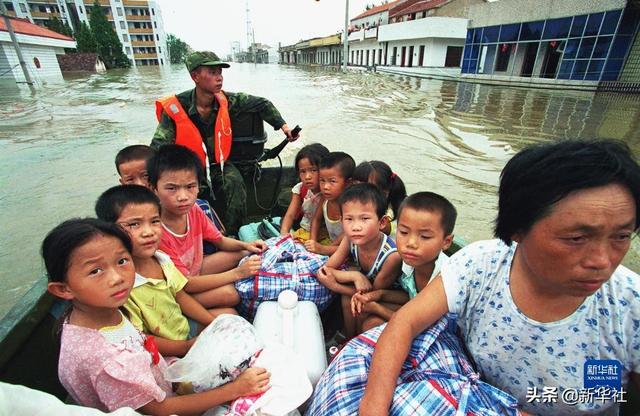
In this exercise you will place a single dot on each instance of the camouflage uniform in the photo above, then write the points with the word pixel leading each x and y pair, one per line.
pixel 230 193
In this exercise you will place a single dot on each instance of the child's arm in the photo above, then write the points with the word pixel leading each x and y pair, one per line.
pixel 231 244
pixel 373 302
pixel 252 381
pixel 206 282
pixel 326 277
pixel 389 272
pixel 295 206
pixel 191 308
pixel 341 255
pixel 173 348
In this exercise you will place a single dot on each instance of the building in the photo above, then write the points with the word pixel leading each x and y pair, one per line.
pixel 554 43
pixel 39 48
pixel 138 23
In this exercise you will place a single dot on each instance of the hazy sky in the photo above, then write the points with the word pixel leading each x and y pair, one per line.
pixel 214 24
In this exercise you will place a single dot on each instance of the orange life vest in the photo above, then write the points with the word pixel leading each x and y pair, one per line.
pixel 187 133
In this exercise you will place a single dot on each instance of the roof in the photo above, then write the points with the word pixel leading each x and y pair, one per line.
pixel 417 7
pixel 376 9
pixel 24 27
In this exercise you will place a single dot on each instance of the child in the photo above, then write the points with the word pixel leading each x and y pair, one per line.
pixel 104 361
pixel 373 252
pixel 159 300
pixel 425 230
pixel 174 173
pixel 336 170
pixel 390 184
pixel 131 164
pixel 305 195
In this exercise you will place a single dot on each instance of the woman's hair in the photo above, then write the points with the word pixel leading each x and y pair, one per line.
pixel 63 240
pixel 314 152
pixel 539 176
pixel 383 177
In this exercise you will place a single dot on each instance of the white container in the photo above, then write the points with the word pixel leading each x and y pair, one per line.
pixel 295 324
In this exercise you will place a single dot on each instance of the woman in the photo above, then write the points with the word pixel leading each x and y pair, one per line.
pixel 534 305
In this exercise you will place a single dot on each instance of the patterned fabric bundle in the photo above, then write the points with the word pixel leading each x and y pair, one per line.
pixel 436 379
pixel 286 264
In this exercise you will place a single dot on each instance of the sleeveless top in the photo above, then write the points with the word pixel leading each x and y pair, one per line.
pixel 334 227
pixel 387 247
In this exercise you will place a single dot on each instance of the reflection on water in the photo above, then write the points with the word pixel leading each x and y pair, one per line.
pixel 451 138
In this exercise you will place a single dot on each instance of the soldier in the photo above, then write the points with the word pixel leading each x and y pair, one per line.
pixel 201 119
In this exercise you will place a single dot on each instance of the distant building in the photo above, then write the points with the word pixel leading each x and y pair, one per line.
pixel 138 23
pixel 39 48
pixel 553 43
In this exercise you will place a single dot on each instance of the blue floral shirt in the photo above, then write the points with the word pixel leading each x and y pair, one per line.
pixel 517 354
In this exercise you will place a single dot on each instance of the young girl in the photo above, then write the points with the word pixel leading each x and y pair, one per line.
pixel 380 174
pixel 104 361
pixel 305 195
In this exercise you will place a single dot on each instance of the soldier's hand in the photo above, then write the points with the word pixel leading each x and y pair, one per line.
pixel 287 132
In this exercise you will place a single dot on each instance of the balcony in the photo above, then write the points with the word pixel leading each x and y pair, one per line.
pixel 428 27
pixel 42 2
pixel 41 15
pixel 143 43
pixel 135 3
pixel 134 17
pixel 101 2
pixel 148 31
pixel 145 55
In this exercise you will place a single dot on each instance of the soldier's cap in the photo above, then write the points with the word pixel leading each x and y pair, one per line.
pixel 206 58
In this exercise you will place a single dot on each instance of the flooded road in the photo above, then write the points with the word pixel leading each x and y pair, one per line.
pixel 452 138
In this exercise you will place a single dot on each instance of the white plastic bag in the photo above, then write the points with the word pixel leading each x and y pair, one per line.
pixel 223 350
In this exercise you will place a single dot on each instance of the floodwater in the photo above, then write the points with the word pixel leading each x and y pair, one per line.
pixel 452 138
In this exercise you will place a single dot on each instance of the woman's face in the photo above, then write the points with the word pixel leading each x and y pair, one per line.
pixel 579 244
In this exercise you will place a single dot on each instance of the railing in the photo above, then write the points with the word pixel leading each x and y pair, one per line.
pixel 135 3
pixel 145 55
pixel 100 2
pixel 143 30
pixel 138 17
pixel 44 1
pixel 143 43
pixel 41 15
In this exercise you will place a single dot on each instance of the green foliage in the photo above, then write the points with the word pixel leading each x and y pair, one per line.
pixel 56 25
pixel 108 45
pixel 84 39
pixel 178 49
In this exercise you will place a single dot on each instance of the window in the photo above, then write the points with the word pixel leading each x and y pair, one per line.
pixel 531 30
pixel 594 70
pixel 602 47
pixel 159 49
pixel 509 33
pixel 579 69
pixel 557 28
pixel 593 24
pixel 571 50
pixel 122 25
pixel 620 47
pixel 490 34
pixel 504 54
pixel 610 22
pixel 155 25
pixel 578 26
pixel 629 21
pixel 612 69
pixel 565 69
pixel 125 38
pixel 157 37
pixel 81 11
pixel 153 12
pixel 128 50
pixel 586 47
pixel 23 7
pixel 477 36
pixel 452 59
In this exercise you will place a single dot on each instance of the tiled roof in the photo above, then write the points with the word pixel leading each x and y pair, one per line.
pixel 25 27
pixel 417 7
pixel 376 9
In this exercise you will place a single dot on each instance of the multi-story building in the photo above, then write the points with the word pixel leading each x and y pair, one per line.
pixel 554 43
pixel 138 23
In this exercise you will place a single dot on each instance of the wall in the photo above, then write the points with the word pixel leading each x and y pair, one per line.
pixel 49 68
pixel 513 11
pixel 372 19
pixel 429 27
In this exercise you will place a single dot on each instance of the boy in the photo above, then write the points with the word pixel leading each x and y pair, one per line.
pixel 158 301
pixel 425 229
pixel 131 164
pixel 336 170
pixel 374 253
pixel 174 173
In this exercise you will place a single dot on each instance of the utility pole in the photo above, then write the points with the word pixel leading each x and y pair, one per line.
pixel 345 51
pixel 249 32
pixel 16 45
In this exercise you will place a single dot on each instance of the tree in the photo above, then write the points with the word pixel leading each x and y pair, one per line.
pixel 84 39
pixel 178 49
pixel 108 45
pixel 56 25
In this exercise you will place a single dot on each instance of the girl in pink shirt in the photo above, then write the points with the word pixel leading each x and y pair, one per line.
pixel 104 361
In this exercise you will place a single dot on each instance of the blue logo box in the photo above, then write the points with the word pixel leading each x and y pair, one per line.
pixel 603 373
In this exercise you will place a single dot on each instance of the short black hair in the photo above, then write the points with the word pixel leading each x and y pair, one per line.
pixel 385 179
pixel 110 204
pixel 432 202
pixel 364 193
pixel 172 158
pixel 345 163
pixel 65 238
pixel 314 152
pixel 134 152
pixel 541 175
